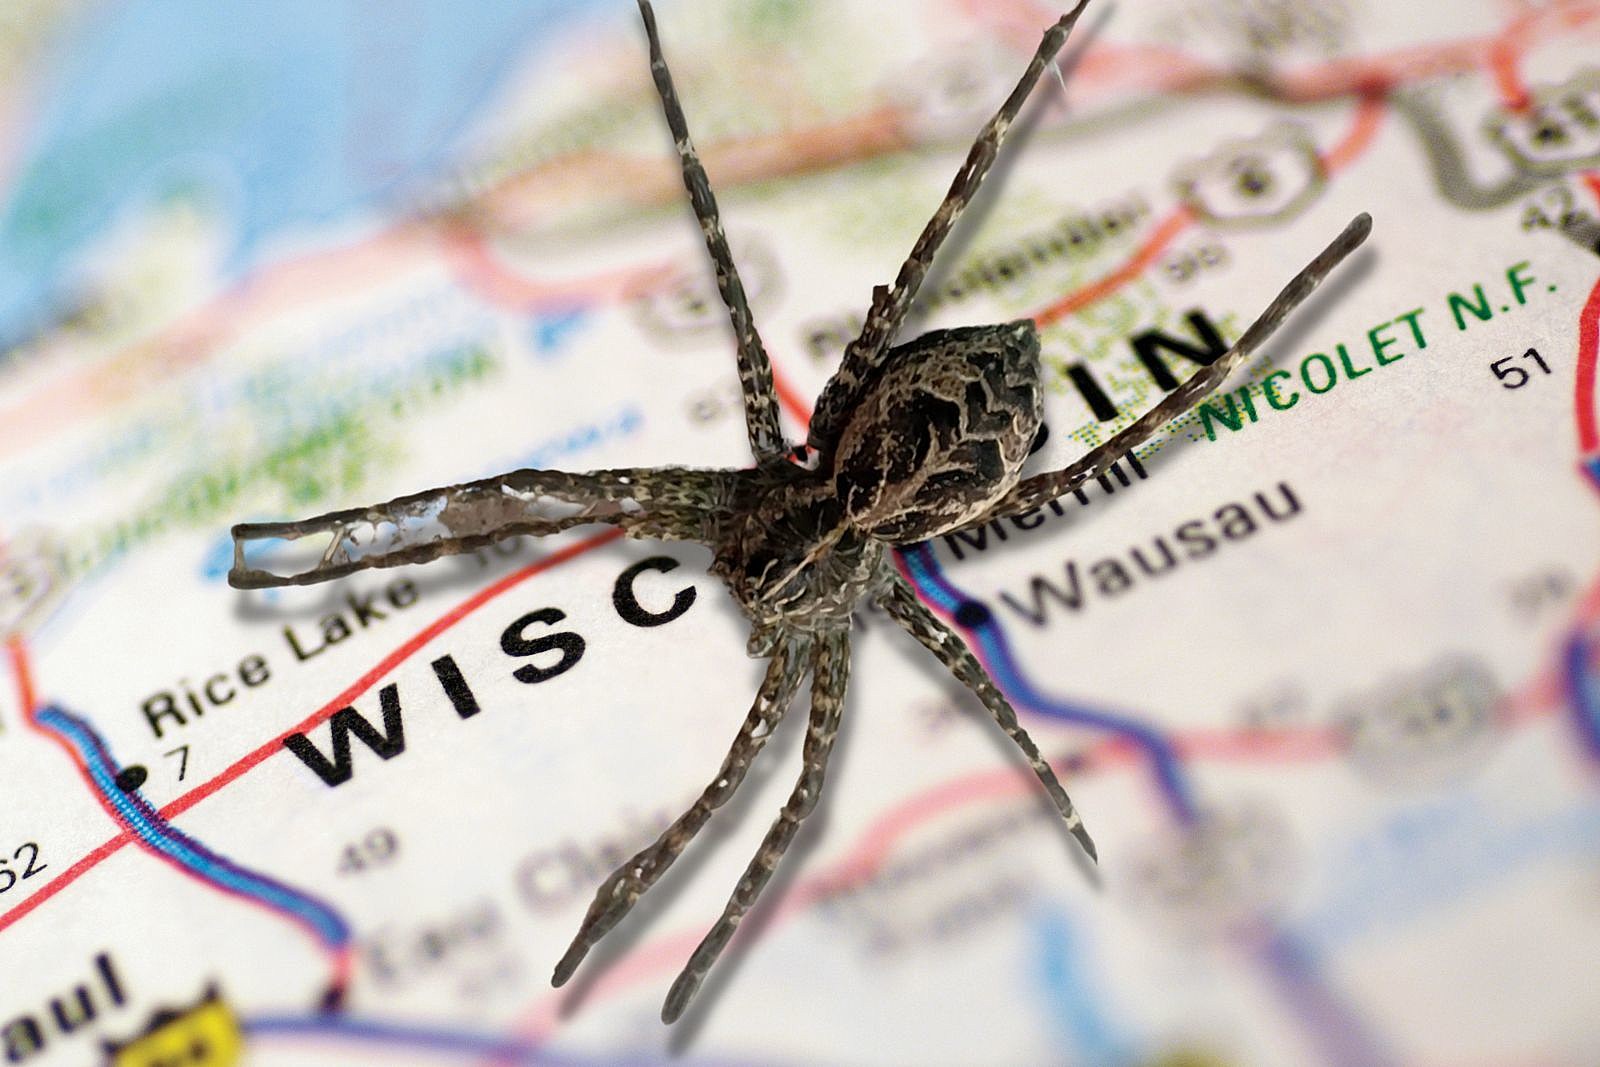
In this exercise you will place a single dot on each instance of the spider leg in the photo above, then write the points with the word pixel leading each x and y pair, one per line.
pixel 618 893
pixel 830 671
pixel 1042 488
pixel 671 503
pixel 903 606
pixel 889 306
pixel 755 368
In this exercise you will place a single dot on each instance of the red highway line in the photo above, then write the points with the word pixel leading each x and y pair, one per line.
pixel 198 334
pixel 1363 129
pixel 792 400
pixel 1168 230
pixel 1584 398
pixel 256 757
pixel 387 664
pixel 1164 234
pixel 873 846
pixel 1166 71
pixel 1505 54
pixel 27 695
pixel 90 861
pixel 22 671
pixel 1369 116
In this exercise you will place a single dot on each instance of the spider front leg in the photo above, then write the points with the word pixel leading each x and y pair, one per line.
pixel 755 367
pixel 1043 488
pixel 863 356
pixel 671 503
pixel 903 606
pixel 830 667
pixel 618 894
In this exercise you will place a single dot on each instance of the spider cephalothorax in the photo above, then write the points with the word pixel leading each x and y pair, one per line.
pixel 910 441
pixel 937 435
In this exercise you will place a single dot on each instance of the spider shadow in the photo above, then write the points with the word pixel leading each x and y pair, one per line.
pixel 954 249
pixel 780 756
pixel 752 929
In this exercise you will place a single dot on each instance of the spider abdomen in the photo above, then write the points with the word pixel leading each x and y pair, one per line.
pixel 942 431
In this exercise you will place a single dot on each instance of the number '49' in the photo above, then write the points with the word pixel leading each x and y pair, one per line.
pixel 1514 376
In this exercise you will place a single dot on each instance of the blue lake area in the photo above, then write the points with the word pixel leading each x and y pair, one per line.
pixel 1425 858
pixel 279 117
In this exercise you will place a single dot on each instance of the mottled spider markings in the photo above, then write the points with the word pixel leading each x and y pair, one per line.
pixel 910 442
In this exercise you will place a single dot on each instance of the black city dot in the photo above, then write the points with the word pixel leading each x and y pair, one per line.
pixel 131 777
pixel 972 615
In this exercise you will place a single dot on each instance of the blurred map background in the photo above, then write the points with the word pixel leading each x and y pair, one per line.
pixel 1319 665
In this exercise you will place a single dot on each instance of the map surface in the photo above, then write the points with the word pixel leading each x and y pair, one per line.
pixel 1320 665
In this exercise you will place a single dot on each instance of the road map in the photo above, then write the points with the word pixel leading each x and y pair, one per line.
pixel 1320 664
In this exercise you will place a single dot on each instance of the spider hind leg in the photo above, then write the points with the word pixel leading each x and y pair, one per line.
pixel 621 891
pixel 830 672
pixel 903 606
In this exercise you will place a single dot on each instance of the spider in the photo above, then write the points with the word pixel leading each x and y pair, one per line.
pixel 906 442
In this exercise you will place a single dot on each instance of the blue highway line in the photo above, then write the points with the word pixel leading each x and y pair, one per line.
pixel 1338 1031
pixel 1071 982
pixel 982 628
pixel 432 1038
pixel 162 837
pixel 1583 691
pixel 1340 1034
pixel 443 1040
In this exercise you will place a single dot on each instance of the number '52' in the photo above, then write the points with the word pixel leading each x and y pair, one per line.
pixel 8 877
pixel 1514 377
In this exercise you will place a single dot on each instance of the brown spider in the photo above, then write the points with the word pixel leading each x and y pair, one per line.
pixel 909 441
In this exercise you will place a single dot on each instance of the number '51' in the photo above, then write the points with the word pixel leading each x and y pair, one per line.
pixel 1513 376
